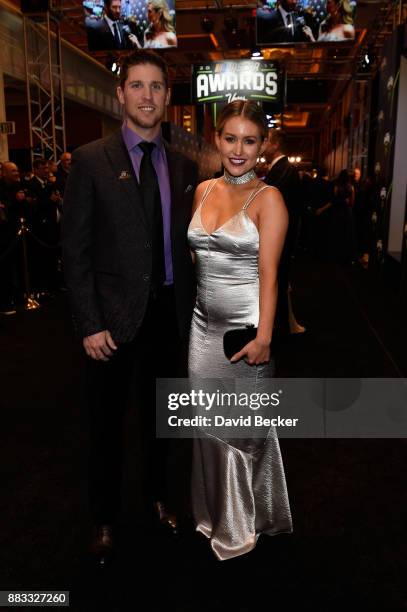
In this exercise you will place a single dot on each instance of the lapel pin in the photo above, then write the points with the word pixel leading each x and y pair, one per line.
pixel 188 189
pixel 124 175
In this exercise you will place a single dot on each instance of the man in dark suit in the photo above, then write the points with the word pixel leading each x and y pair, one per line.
pixel 13 206
pixel 109 32
pixel 284 176
pixel 63 171
pixel 45 227
pixel 283 25
pixel 127 206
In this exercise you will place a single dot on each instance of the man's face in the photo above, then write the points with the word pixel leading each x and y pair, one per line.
pixel 289 5
pixel 272 149
pixel 114 10
pixel 10 173
pixel 144 96
pixel 42 171
pixel 52 166
pixel 66 159
pixel 331 7
pixel 357 175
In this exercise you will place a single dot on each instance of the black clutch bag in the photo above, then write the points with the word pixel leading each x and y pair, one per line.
pixel 235 339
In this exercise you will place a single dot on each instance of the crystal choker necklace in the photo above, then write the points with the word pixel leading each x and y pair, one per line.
pixel 239 180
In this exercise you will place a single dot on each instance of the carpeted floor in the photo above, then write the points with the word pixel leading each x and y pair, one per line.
pixel 348 496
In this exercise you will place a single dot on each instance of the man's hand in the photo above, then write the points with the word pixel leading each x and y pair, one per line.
pixel 99 346
pixel 20 196
pixel 134 40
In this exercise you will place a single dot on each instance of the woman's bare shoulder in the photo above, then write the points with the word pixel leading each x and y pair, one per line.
pixel 269 195
pixel 202 186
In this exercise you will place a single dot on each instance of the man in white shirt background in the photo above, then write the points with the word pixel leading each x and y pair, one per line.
pixel 285 24
pixel 110 32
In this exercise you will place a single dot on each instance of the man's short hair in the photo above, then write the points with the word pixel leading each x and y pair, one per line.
pixel 37 163
pixel 279 137
pixel 142 56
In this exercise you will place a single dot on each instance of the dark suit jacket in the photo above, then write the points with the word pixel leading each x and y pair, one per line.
pixel 100 36
pixel 106 239
pixel 271 28
pixel 43 214
pixel 284 176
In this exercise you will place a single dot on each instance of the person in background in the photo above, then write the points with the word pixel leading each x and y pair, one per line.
pixel 160 32
pixel 109 32
pixel 284 176
pixel 343 200
pixel 337 26
pixel 52 171
pixel 63 171
pixel 12 208
pixel 285 24
pixel 46 199
pixel 322 209
pixel 362 212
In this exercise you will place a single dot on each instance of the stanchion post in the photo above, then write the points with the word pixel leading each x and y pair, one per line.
pixel 29 303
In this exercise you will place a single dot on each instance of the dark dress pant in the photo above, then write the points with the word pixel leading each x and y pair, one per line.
pixel 155 352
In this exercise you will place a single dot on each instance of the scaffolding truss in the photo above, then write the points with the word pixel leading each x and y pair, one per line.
pixel 45 94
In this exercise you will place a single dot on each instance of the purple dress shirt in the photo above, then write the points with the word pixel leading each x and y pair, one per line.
pixel 159 159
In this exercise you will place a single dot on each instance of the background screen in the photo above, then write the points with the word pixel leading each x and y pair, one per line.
pixel 130 24
pixel 302 21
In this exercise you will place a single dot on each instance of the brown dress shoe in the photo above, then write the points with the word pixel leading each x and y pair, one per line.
pixel 103 544
pixel 166 518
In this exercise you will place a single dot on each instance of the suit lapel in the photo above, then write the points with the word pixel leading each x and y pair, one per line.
pixel 126 179
pixel 175 175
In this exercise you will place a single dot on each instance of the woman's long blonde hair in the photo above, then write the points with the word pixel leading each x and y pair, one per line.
pixel 346 14
pixel 166 24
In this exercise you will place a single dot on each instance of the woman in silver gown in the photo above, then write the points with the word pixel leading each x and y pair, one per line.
pixel 236 236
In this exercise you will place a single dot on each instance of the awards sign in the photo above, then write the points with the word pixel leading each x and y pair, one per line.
pixel 239 80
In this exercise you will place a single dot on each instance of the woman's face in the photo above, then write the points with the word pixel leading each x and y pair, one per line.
pixel 152 14
pixel 239 144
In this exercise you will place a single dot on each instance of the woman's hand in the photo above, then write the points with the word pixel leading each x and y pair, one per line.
pixel 255 353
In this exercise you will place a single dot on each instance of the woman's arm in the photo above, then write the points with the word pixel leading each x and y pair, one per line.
pixel 171 39
pixel 272 225
pixel 197 199
pixel 348 31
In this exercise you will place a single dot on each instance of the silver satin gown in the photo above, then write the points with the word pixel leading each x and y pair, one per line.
pixel 238 485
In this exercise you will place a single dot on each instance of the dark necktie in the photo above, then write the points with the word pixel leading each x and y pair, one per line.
pixel 152 202
pixel 117 34
pixel 290 23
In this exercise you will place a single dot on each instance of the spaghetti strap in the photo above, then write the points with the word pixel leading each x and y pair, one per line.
pixel 207 191
pixel 253 194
